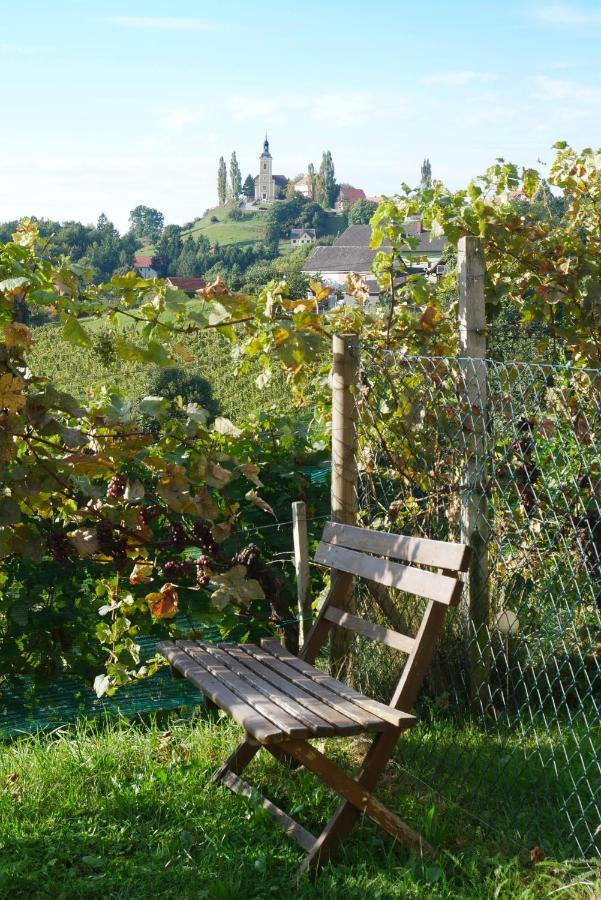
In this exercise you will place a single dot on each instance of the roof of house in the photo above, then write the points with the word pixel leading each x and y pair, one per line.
pixel 350 194
pixel 351 251
pixel 186 284
pixel 340 259
pixel 298 232
pixel 143 262
pixel 359 236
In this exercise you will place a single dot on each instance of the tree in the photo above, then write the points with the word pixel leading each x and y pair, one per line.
pixel 312 181
pixel 235 178
pixel 248 188
pixel 169 248
pixel 146 222
pixel 103 223
pixel 361 212
pixel 426 174
pixel 221 182
pixel 326 181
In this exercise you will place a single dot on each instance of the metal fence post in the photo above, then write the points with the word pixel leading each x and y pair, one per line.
pixel 475 523
pixel 345 370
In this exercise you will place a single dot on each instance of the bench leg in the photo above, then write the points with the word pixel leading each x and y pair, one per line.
pixel 343 820
pixel 238 760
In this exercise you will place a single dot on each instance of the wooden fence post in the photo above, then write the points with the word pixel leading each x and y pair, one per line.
pixel 475 524
pixel 345 371
pixel 301 565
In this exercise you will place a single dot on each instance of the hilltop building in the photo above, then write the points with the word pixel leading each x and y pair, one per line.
pixel 347 195
pixel 268 187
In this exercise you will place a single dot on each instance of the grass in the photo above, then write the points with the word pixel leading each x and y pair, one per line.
pixel 127 811
pixel 225 231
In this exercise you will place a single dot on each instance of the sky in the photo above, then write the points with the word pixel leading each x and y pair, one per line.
pixel 109 105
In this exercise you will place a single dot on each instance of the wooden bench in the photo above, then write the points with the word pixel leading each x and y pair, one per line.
pixel 282 701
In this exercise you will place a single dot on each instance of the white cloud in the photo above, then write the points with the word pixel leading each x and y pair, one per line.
pixel 558 90
pixel 178 119
pixel 165 23
pixel 567 14
pixel 458 78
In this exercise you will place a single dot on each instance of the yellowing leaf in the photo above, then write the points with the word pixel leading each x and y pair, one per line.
pixel 163 604
pixel 141 574
pixel 234 587
pixel 11 393
pixel 16 335
pixel 253 497
pixel 85 541
pixel 183 352
pixel 221 532
pixel 224 426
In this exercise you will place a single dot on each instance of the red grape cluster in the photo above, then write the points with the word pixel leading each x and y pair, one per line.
pixel 204 539
pixel 111 543
pixel 203 571
pixel 178 570
pixel 116 487
pixel 177 536
pixel 60 547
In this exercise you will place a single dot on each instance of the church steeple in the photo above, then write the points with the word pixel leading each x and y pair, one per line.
pixel 266 147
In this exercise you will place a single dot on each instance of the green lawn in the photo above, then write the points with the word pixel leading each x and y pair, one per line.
pixel 127 811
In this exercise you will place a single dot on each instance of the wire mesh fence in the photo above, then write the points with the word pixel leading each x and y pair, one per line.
pixel 507 455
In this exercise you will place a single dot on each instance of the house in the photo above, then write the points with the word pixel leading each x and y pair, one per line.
pixel 347 195
pixel 268 187
pixel 146 266
pixel 305 186
pixel 187 285
pixel 301 236
pixel 351 253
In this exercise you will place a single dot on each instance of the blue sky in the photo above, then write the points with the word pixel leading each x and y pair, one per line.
pixel 107 105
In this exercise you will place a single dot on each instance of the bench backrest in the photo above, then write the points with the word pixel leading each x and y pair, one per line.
pixel 360 552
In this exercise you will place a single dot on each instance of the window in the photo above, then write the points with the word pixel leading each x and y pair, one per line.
pixel 264 166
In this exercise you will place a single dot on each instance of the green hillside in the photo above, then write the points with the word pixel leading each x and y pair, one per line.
pixel 226 231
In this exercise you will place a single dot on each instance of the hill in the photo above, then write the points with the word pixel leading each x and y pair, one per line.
pixel 226 231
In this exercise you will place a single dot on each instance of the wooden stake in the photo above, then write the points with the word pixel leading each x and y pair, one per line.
pixel 345 353
pixel 475 524
pixel 301 565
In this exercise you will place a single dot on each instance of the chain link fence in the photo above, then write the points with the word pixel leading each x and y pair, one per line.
pixel 507 455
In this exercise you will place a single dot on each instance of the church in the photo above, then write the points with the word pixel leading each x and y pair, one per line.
pixel 268 187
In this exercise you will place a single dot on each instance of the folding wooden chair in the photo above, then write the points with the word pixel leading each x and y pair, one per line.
pixel 282 700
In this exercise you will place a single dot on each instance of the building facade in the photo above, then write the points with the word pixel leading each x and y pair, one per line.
pixel 268 187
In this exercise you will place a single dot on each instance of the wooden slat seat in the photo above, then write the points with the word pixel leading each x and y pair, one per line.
pixel 282 700
pixel 275 697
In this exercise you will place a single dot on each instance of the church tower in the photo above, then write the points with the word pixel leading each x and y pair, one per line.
pixel 265 184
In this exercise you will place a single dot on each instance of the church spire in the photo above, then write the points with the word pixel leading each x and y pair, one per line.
pixel 266 146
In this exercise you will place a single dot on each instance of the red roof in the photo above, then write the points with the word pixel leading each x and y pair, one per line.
pixel 186 284
pixel 350 194
pixel 143 262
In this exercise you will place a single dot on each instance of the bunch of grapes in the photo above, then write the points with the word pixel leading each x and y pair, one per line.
pixel 148 513
pixel 177 536
pixel 111 543
pixel 116 487
pixel 178 570
pixel 59 546
pixel 204 539
pixel 203 571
